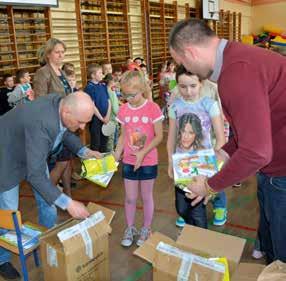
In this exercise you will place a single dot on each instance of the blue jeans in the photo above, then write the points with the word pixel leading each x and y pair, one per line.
pixel 272 225
pixel 220 200
pixel 196 215
pixel 9 200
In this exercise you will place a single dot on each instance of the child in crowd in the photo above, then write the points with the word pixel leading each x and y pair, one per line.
pixel 98 92
pixel 207 109
pixel 190 138
pixel 71 77
pixel 106 68
pixel 9 86
pixel 138 61
pixel 167 79
pixel 146 75
pixel 111 87
pixel 117 73
pixel 67 67
pixel 23 92
pixel 141 122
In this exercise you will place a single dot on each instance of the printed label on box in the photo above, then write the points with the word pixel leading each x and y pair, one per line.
pixel 52 256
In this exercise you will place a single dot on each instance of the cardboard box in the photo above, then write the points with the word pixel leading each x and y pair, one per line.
pixel 248 272
pixel 181 264
pixel 78 250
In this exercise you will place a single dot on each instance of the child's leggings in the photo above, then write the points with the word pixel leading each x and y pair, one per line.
pixel 131 194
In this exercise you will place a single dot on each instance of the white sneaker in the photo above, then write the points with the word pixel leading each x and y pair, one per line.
pixel 128 237
pixel 144 235
pixel 256 254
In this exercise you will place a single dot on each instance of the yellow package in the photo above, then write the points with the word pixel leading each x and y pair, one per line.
pixel 225 263
pixel 92 167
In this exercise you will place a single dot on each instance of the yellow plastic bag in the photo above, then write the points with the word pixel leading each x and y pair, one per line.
pixel 92 167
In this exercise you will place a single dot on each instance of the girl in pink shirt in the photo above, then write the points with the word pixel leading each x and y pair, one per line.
pixel 141 132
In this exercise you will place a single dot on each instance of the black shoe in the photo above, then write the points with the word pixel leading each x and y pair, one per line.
pixel 8 271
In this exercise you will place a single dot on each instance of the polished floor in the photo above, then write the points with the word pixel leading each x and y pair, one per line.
pixel 242 219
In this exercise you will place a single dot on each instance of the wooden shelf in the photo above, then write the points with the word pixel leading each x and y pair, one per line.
pixel 102 24
pixel 28 28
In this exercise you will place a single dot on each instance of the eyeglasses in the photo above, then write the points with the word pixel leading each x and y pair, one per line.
pixel 130 96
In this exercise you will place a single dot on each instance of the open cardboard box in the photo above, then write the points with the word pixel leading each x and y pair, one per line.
pixel 78 250
pixel 169 266
pixel 247 272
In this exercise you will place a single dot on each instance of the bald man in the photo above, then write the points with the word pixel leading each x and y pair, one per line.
pixel 29 135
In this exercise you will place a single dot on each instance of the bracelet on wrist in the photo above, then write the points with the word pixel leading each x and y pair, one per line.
pixel 210 191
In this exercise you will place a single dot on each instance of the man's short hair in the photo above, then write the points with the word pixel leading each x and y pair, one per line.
pixel 192 31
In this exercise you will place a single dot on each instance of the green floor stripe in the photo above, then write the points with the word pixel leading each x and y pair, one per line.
pixel 139 273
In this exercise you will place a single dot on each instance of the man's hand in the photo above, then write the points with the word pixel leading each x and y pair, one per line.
pixel 198 190
pixel 77 210
pixel 93 154
pixel 139 158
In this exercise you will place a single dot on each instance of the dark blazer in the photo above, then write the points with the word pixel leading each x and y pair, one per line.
pixel 27 136
pixel 46 82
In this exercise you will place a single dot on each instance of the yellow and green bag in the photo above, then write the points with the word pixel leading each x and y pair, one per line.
pixel 92 167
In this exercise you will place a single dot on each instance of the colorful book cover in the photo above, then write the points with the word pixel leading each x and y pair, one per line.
pixel 190 164
pixel 102 180
pixel 30 237
pixel 99 171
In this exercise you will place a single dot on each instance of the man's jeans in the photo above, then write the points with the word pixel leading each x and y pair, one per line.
pixel 272 225
pixel 9 200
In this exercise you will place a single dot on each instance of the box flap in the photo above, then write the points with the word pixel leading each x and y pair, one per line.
pixel 50 236
pixel 148 250
pixel 212 243
pixel 108 213
pixel 181 263
pixel 247 272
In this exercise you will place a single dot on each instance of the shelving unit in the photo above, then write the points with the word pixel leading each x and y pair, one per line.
pixel 160 19
pixel 194 12
pixel 103 32
pixel 228 26
pixel 118 31
pixel 22 32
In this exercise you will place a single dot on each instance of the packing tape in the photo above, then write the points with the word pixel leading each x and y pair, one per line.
pixel 52 256
pixel 187 260
pixel 88 243
pixel 81 227
pixel 185 269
